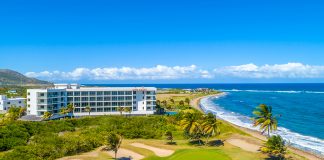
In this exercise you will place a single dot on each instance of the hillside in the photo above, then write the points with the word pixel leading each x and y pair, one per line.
pixel 10 77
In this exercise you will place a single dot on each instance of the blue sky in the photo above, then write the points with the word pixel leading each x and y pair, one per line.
pixel 119 41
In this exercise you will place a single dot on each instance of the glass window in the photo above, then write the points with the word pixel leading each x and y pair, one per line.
pixel 99 98
pixel 84 93
pixel 99 109
pixel 76 93
pixel 99 104
pixel 92 98
pixel 107 99
pixel 114 92
pixel 107 93
pixel 99 93
pixel 92 93
pixel 121 93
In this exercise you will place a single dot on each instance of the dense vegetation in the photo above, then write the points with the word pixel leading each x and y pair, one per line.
pixel 54 139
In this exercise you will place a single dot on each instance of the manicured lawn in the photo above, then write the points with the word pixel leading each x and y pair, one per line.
pixel 194 154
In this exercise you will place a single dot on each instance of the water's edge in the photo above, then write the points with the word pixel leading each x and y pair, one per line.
pixel 296 140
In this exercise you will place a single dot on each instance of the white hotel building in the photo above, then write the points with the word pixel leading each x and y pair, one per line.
pixel 101 100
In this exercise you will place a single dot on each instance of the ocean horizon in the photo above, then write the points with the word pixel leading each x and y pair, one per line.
pixel 299 107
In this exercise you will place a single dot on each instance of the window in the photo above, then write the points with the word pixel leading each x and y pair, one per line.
pixel 77 99
pixel 69 93
pixel 28 99
pixel 28 93
pixel 121 93
pixel 19 102
pixel 107 109
pixel 92 98
pixel 99 98
pixel 107 93
pixel 107 99
pixel 84 99
pixel 114 92
pixel 92 93
pixel 128 92
pixel 76 93
pixel 84 93
pixel 99 93
pixel 114 98
pixel 99 109
pixel 134 92
pixel 100 104
pixel 92 104
pixel 42 94
pixel 107 104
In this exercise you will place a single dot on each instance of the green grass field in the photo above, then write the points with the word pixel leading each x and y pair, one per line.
pixel 194 154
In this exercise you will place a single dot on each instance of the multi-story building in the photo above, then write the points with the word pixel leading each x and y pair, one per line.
pixel 6 103
pixel 101 100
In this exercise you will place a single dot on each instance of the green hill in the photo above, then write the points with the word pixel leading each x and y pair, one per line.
pixel 10 77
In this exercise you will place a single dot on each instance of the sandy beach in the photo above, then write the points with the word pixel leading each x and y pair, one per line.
pixel 243 144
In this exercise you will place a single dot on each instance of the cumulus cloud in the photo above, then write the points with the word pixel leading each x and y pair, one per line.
pixel 162 72
pixel 159 72
pixel 289 70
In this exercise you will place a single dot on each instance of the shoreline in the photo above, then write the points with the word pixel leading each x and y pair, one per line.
pixel 256 134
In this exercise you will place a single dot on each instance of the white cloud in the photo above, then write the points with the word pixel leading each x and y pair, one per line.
pixel 289 70
pixel 162 72
pixel 159 72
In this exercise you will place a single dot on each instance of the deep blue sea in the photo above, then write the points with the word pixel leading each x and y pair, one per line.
pixel 299 107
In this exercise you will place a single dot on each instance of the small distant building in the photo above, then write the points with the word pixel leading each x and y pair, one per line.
pixel 6 103
pixel 12 92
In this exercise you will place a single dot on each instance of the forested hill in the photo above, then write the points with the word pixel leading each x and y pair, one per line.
pixel 10 77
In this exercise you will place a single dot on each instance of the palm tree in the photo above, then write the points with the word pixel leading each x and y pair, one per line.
pixel 210 126
pixel 113 142
pixel 158 102
pixel 47 115
pixel 88 109
pixel 191 124
pixel 172 100
pixel 63 111
pixel 181 103
pixel 187 100
pixel 128 109
pixel 22 111
pixel 70 109
pixel 121 110
pixel 265 119
pixel 165 103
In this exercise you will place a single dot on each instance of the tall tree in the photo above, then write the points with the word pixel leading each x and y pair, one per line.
pixel 47 115
pixel 264 118
pixel 172 100
pixel 64 111
pixel 181 103
pixel 120 109
pixel 169 136
pixel 187 100
pixel 113 142
pixel 165 103
pixel 210 126
pixel 70 109
pixel 88 109
pixel 192 124
pixel 22 111
pixel 128 110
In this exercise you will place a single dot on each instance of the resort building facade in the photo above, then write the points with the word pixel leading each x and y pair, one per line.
pixel 101 100
pixel 6 103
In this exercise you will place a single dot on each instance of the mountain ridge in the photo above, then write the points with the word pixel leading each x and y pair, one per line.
pixel 11 77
